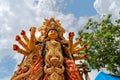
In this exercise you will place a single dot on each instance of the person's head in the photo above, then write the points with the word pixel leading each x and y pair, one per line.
pixel 52 34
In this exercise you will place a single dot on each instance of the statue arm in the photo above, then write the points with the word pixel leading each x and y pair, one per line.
pixel 28 44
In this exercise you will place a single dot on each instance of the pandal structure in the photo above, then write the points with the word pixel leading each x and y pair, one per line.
pixel 50 56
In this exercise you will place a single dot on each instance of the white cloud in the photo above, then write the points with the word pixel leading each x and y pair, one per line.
pixel 22 14
pixel 104 7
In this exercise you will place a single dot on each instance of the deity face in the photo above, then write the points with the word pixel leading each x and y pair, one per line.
pixel 52 34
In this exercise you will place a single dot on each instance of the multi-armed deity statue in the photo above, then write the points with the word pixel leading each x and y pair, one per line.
pixel 50 56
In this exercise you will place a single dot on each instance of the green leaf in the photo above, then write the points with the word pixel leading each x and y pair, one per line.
pixel 86 27
pixel 103 38
pixel 112 59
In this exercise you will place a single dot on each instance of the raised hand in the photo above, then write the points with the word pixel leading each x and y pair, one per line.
pixel 72 46
pixel 27 44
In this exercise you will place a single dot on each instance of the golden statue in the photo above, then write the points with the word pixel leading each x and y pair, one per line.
pixel 50 56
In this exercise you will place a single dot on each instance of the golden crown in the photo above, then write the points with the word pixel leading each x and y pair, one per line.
pixel 51 24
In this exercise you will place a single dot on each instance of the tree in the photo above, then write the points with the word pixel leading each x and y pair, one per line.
pixel 103 38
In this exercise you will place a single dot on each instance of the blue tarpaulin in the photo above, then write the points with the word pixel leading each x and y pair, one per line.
pixel 104 76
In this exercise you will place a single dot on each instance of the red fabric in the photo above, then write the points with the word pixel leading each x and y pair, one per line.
pixel 37 67
pixel 71 69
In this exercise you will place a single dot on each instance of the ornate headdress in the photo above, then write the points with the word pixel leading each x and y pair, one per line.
pixel 51 24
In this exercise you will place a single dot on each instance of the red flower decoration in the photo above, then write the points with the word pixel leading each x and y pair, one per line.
pixel 86 55
pixel 18 38
pixel 85 46
pixel 15 47
pixel 23 32
pixel 80 39
pixel 71 34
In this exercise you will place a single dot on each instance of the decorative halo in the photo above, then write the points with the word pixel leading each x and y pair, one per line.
pixel 51 24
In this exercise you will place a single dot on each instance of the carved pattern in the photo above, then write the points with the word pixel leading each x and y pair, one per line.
pixel 25 69
pixel 54 69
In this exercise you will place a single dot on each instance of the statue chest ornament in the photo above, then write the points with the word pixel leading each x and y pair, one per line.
pixel 54 69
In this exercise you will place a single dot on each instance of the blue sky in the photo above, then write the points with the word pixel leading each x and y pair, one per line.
pixel 16 15
pixel 7 66
pixel 80 8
